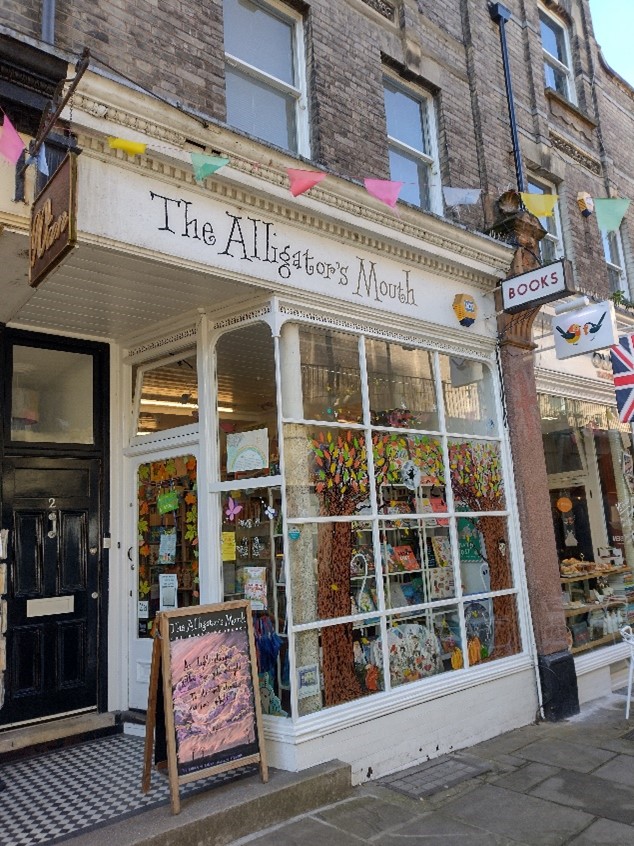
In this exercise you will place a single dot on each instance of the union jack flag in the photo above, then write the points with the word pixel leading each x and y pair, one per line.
pixel 622 355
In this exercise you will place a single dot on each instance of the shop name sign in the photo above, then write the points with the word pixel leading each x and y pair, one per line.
pixel 253 242
pixel 54 221
pixel 536 287
pixel 585 330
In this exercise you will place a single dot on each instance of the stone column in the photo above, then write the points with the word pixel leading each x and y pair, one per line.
pixel 556 665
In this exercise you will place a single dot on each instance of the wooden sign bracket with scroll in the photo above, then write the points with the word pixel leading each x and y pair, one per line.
pixel 204 715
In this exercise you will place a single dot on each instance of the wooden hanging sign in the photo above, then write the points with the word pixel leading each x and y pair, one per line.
pixel 204 715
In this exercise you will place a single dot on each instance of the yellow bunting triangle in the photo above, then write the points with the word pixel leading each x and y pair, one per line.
pixel 541 205
pixel 132 148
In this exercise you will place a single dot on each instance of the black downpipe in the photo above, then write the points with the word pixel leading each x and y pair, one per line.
pixel 500 14
pixel 48 21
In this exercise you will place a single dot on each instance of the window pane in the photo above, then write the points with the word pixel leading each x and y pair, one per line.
pixel 553 39
pixel 557 79
pixel 322 379
pixel 169 395
pixel 415 648
pixel 409 470
pixel 467 388
pixel 248 26
pixel 401 386
pixel 414 174
pixel 416 562
pixel 476 476
pixel 404 118
pixel 260 110
pixel 326 471
pixel 484 550
pixel 168 538
pixel 52 396
pixel 610 248
pixel 342 579
pixel 245 368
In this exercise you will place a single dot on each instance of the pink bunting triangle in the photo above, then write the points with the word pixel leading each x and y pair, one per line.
pixel 11 145
pixel 303 180
pixel 384 190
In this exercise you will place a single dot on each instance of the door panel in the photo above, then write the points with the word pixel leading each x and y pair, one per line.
pixel 51 507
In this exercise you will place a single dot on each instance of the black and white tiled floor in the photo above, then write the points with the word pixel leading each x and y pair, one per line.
pixel 48 798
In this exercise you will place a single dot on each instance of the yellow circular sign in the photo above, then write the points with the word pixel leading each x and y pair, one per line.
pixel 564 504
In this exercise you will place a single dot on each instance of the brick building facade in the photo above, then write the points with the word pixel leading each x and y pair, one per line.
pixel 382 89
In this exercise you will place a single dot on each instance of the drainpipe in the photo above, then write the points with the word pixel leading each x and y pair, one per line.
pixel 500 14
pixel 48 21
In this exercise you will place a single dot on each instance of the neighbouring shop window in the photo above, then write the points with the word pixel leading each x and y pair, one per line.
pixel 168 394
pixel 590 464
pixel 167 538
pixel 51 396
pixel 397 539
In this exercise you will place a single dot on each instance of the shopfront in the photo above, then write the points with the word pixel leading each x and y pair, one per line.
pixel 590 460
pixel 300 415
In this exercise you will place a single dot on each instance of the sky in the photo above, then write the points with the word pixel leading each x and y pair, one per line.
pixel 613 22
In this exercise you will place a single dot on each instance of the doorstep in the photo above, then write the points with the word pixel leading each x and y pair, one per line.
pixel 53 733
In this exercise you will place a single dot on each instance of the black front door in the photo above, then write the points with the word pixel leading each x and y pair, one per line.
pixel 51 507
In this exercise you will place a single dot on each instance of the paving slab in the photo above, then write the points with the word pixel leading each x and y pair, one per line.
pixel 605 833
pixel 619 769
pixel 581 757
pixel 524 818
pixel 437 829
pixel 368 817
pixel 305 832
pixel 594 795
pixel 526 777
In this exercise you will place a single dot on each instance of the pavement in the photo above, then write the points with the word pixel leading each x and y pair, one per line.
pixel 546 784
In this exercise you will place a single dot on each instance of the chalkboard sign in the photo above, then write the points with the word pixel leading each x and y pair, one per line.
pixel 204 714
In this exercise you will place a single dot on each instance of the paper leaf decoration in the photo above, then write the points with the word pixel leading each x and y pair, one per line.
pixel 206 165
pixel 610 212
pixel 132 148
pixel 461 196
pixel 541 205
pixel 11 145
pixel 384 190
pixel 303 180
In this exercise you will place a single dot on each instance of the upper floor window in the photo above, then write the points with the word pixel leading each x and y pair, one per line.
pixel 557 56
pixel 265 78
pixel 614 257
pixel 550 246
pixel 411 131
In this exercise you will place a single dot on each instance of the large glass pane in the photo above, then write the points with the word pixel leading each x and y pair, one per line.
pixel 414 174
pixel 416 562
pixel 326 471
pixel 51 396
pixel 409 472
pixel 401 386
pixel 248 26
pixel 167 537
pixel 485 557
pixel 404 118
pixel 169 395
pixel 245 367
pixel 476 476
pixel 253 568
pixel 260 110
pixel 332 570
pixel 321 376
pixel 415 648
pixel 467 387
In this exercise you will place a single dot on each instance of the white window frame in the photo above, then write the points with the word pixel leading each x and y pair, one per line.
pixel 619 268
pixel 430 133
pixel 298 92
pixel 553 61
pixel 556 236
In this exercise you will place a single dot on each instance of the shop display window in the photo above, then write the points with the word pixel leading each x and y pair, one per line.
pixel 590 463
pixel 396 524
pixel 167 538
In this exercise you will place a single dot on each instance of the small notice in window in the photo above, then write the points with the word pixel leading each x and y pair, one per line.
pixel 247 451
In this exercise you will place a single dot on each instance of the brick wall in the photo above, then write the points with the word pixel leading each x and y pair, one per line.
pixel 451 49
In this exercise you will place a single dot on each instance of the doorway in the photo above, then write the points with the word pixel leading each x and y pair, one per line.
pixel 54 497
